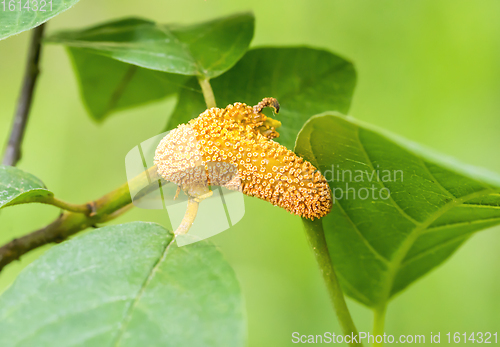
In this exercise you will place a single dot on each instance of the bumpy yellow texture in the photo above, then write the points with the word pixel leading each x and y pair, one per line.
pixel 233 147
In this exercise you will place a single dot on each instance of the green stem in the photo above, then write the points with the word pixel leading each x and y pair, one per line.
pixel 378 323
pixel 85 208
pixel 208 93
pixel 316 237
pixel 69 223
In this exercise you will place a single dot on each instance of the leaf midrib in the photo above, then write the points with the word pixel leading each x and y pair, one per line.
pixel 128 313
pixel 449 242
pixel 394 264
pixel 420 227
pixel 370 164
pixel 120 89
pixel 405 246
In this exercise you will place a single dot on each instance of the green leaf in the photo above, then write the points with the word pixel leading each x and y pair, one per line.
pixel 380 244
pixel 15 19
pixel 19 187
pixel 206 50
pixel 124 285
pixel 304 80
pixel 108 85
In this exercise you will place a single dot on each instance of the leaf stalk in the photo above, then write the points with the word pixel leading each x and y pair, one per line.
pixel 67 224
pixel 316 237
pixel 208 93
pixel 379 323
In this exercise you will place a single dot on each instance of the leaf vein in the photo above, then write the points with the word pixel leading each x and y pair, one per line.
pixel 370 163
pixel 128 313
pixel 363 238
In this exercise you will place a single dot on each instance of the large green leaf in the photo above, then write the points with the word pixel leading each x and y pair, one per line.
pixel 380 244
pixel 19 187
pixel 304 80
pixel 108 85
pixel 124 285
pixel 15 19
pixel 206 50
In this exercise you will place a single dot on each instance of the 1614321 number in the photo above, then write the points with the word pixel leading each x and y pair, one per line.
pixel 473 337
pixel 28 5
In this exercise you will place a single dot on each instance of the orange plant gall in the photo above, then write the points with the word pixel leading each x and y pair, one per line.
pixel 233 147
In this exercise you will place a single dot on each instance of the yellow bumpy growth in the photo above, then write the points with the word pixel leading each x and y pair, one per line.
pixel 233 147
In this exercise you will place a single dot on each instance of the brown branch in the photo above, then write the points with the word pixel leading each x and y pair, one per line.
pixel 107 207
pixel 13 149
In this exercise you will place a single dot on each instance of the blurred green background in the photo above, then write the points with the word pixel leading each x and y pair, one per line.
pixel 427 70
